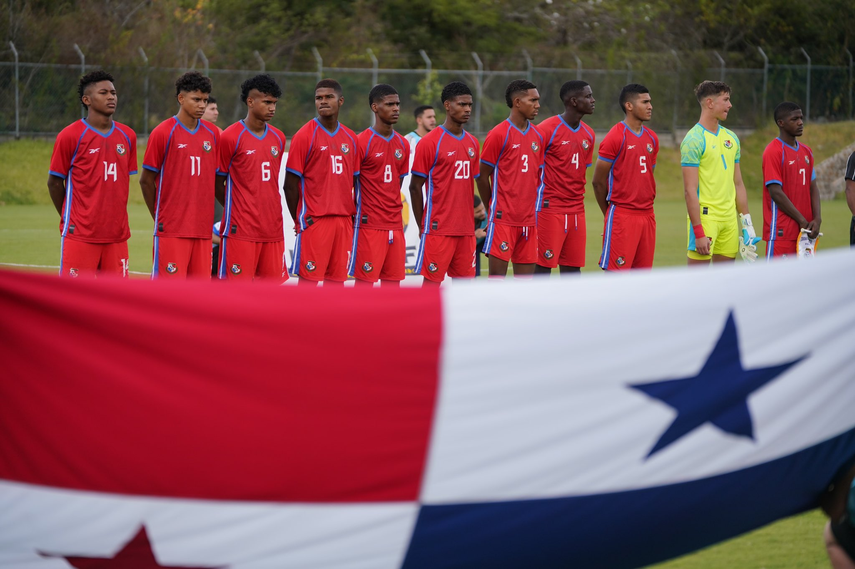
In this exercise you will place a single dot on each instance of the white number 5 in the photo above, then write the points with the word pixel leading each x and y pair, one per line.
pixel 642 161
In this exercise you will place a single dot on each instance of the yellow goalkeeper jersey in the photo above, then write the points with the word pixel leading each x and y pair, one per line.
pixel 715 155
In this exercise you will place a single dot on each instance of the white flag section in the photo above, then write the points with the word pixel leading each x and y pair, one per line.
pixel 606 421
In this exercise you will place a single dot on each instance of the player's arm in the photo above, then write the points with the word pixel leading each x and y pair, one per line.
pixel 220 189
pixel 849 176
pixel 601 184
pixel 292 192
pixel 776 192
pixel 693 208
pixel 484 184
pixel 416 183
pixel 814 224
pixel 56 189
pixel 741 193
pixel 149 189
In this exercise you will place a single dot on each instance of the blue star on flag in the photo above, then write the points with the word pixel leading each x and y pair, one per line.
pixel 717 395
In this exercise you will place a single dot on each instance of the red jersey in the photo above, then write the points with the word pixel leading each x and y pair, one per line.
pixel 96 168
pixel 382 163
pixel 253 208
pixel 633 158
pixel 326 164
pixel 186 161
pixel 568 153
pixel 791 168
pixel 516 156
pixel 450 164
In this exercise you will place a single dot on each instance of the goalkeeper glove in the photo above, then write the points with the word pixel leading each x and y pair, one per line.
pixel 748 242
pixel 806 247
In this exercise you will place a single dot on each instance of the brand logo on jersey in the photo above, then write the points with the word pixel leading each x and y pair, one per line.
pixel 235 269
pixel 504 246
pixel 792 162
pixel 452 153
pixel 470 152
pixel 728 144
pixel 534 146
pixel 94 150
pixel 432 268
pixel 585 144
pixel 649 148
pixel 620 261
pixel 367 267
pixel 120 148
pixel 566 142
pixel 345 148
pixel 171 268
pixel 515 146
pixel 73 273
pixel 399 154
pixel 311 266
pixel 182 145
pixel 378 154
pixel 548 254
pixel 324 147
pixel 630 146
pixel 206 146
pixel 274 151
pixel 250 151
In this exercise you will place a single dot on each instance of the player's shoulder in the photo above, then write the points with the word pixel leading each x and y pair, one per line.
pixel 728 133
pixel 365 135
pixel 696 135
pixel 775 146
pixel 74 130
pixel 307 129
pixel 124 129
pixel 469 137
pixel 164 127
pixel 210 127
pixel 652 134
pixel 586 129
pixel 432 137
pixel 277 132
pixel 347 131
pixel 549 124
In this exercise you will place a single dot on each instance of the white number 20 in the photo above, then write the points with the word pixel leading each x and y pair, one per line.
pixel 461 170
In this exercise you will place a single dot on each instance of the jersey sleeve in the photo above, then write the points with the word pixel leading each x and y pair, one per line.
pixel 589 158
pixel 849 174
pixel 155 150
pixel 655 138
pixel 738 148
pixel 133 160
pixel 298 152
pixel 492 148
pixel 692 148
pixel 405 165
pixel 228 145
pixel 772 170
pixel 63 151
pixel 476 159
pixel 609 147
pixel 424 157
pixel 356 161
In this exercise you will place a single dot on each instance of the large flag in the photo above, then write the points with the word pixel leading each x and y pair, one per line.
pixel 607 421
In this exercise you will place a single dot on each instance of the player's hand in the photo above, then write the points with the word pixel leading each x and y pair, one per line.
pixel 749 238
pixel 813 228
pixel 480 234
pixel 702 245
pixel 747 252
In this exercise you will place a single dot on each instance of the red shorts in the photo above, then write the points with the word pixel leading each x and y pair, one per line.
pixel 780 248
pixel 561 239
pixel 181 257
pixel 322 251
pixel 79 259
pixel 446 254
pixel 629 240
pixel 252 260
pixel 379 254
pixel 510 243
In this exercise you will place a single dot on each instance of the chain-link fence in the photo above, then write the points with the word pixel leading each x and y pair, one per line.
pixel 40 98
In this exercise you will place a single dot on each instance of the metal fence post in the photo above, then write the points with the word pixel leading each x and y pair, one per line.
pixel 721 63
pixel 82 72
pixel 320 62
pixel 145 92
pixel 849 53
pixel 374 78
pixel 528 64
pixel 578 67
pixel 479 91
pixel 676 95
pixel 428 66
pixel 260 60
pixel 628 72
pixel 765 78
pixel 201 54
pixel 17 94
pixel 807 105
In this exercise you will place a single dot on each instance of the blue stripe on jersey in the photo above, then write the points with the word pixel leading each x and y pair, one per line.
pixel 155 257
pixel 295 258
pixel 420 257
pixel 429 194
pixel 773 232
pixel 162 169
pixel 607 239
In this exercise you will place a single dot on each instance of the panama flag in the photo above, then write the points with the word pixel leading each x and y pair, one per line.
pixel 608 421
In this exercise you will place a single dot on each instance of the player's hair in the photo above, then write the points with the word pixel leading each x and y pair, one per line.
pixel 477 201
pixel 515 88
pixel 630 92
pixel 379 91
pixel 571 89
pixel 212 100
pixel 420 110
pixel 330 84
pixel 193 81
pixel 783 110
pixel 453 90
pixel 89 79
pixel 711 89
pixel 263 83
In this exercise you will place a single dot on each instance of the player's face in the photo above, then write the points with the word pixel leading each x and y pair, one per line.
pixel 641 107
pixel 327 102
pixel 721 106
pixel 480 212
pixel 529 104
pixel 261 105
pixel 427 120
pixel 193 103
pixel 585 101
pixel 388 110
pixel 793 124
pixel 459 109
pixel 101 97
pixel 212 112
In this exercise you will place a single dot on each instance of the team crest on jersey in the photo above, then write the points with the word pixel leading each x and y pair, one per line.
pixel 73 273
pixel 171 268
pixel 206 146
pixel 534 147
pixel 120 148
pixel 235 269
pixel 585 144
pixel 367 267
pixel 432 268
pixel 399 154
pixel 470 152
pixel 728 144
pixel 807 160
pixel 311 266
pixel 548 254
pixel 649 148
pixel 345 148
pixel 274 151
pixel 620 261
pixel 504 246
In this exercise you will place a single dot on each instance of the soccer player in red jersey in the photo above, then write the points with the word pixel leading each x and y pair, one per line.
pixel 624 185
pixel 509 178
pixel 446 160
pixel 212 112
pixel 177 181
pixel 790 195
pixel 90 170
pixel 252 240
pixel 319 184
pixel 379 249
pixel 568 153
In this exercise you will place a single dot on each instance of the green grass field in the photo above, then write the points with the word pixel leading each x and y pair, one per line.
pixel 29 236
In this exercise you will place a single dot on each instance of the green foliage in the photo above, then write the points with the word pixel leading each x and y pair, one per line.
pixel 429 90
